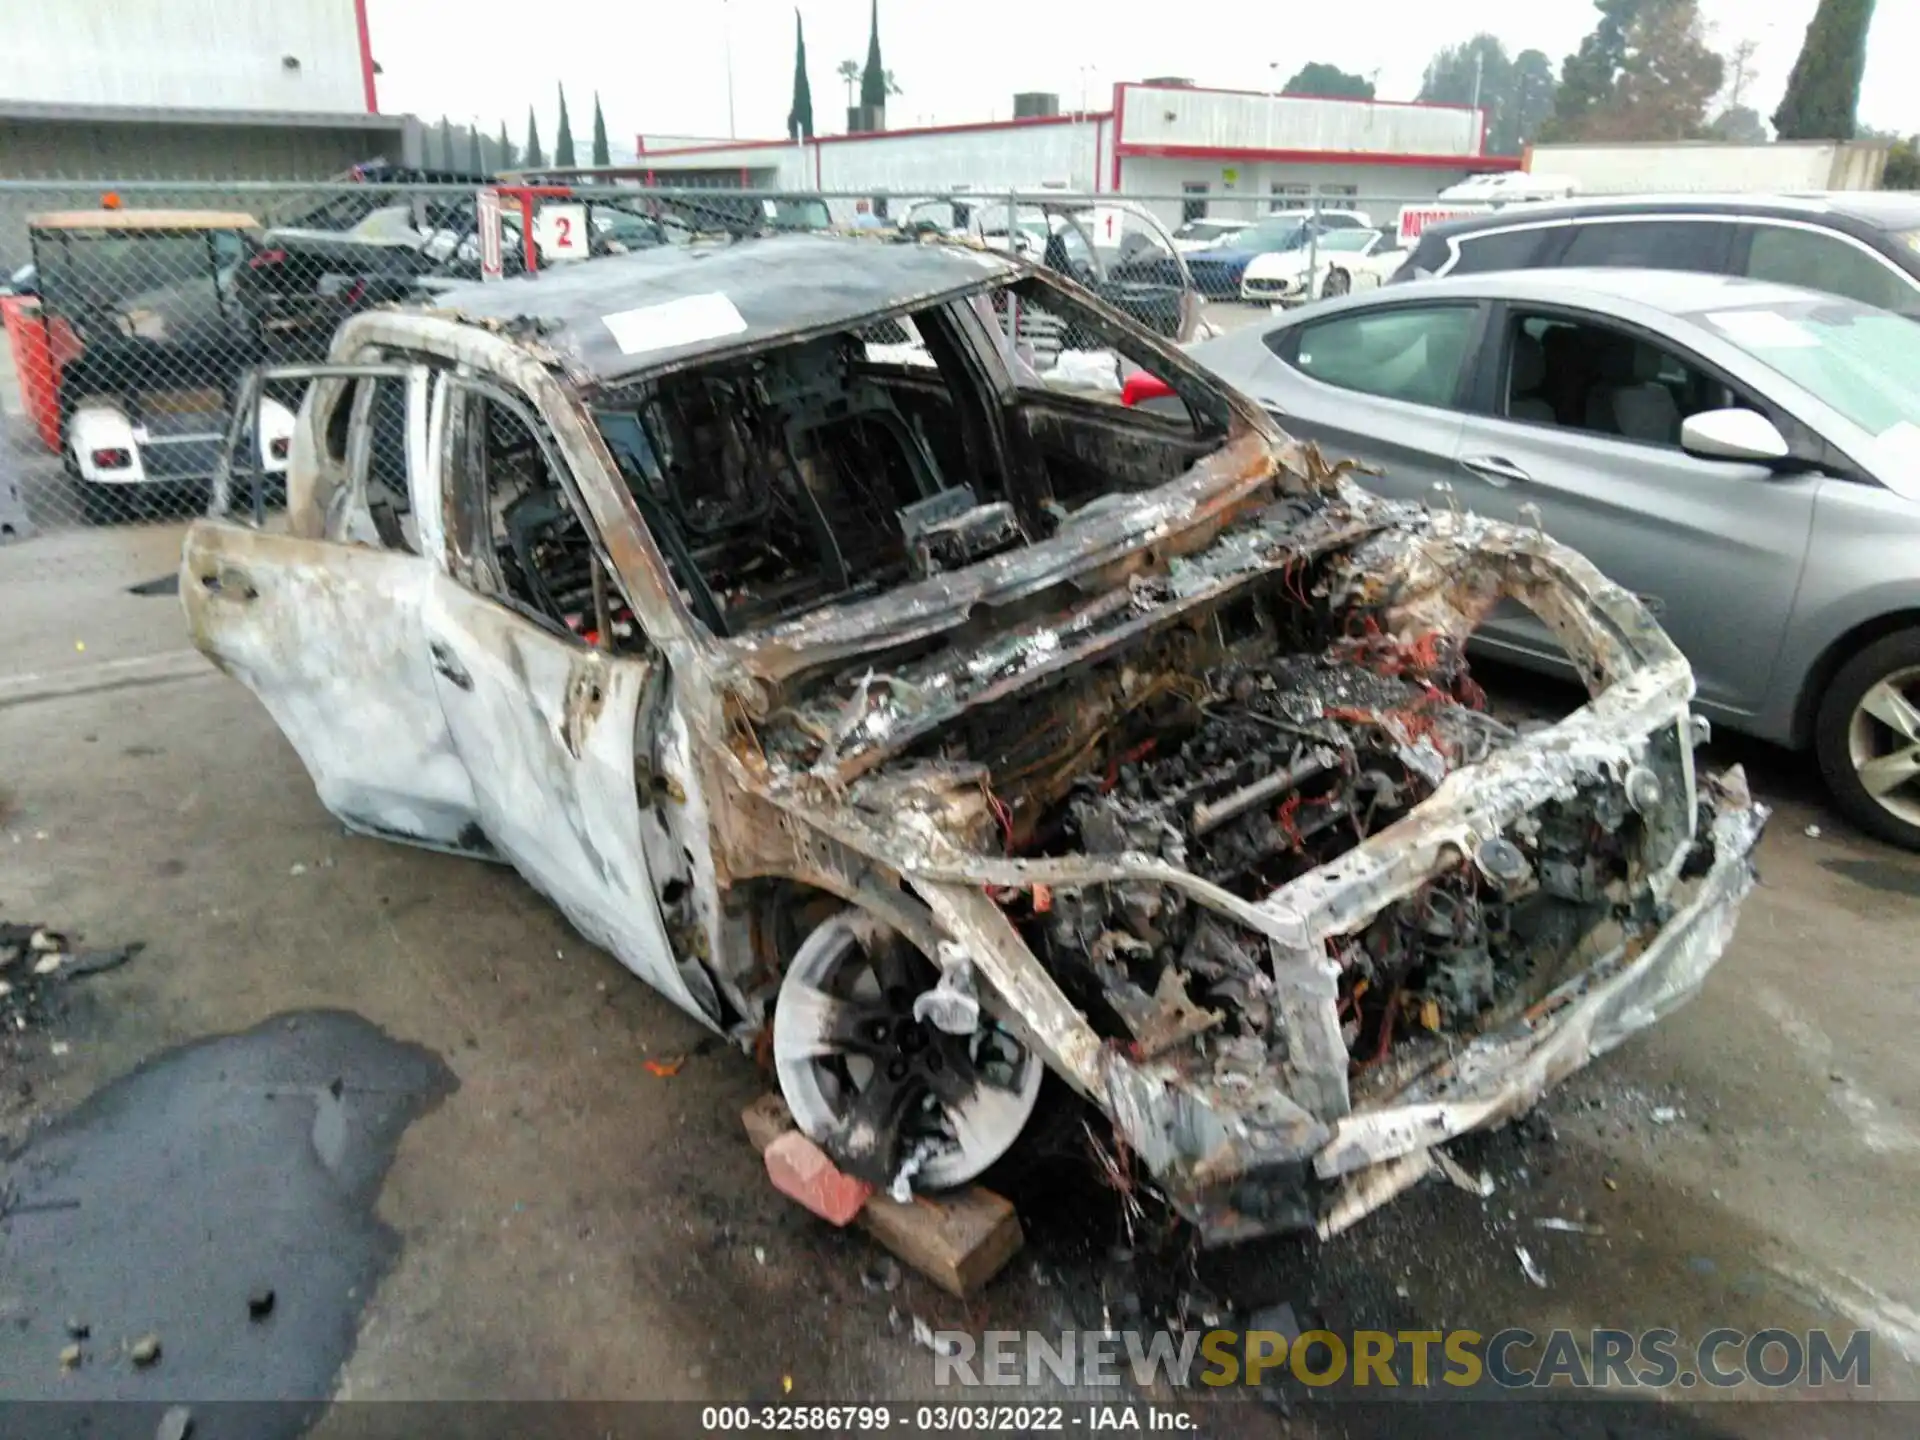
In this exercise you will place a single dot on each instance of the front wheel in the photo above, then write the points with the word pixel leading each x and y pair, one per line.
pixel 1867 739
pixel 891 1095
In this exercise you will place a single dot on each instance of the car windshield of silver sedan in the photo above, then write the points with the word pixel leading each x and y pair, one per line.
pixel 1863 363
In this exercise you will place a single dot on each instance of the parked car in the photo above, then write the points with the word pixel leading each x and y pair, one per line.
pixel 1204 234
pixel 929 727
pixel 1219 270
pixel 150 338
pixel 1341 262
pixel 1743 456
pixel 1863 245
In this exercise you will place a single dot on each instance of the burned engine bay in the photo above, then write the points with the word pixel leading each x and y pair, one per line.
pixel 1140 781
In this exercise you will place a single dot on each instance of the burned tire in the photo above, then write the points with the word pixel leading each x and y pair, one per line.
pixel 1866 736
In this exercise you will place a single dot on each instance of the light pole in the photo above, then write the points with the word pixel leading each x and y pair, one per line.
pixel 726 45
pixel 1273 81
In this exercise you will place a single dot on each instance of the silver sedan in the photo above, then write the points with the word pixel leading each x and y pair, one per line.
pixel 1745 456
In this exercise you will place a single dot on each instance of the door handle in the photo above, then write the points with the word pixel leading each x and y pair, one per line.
pixel 1496 469
pixel 229 583
pixel 447 667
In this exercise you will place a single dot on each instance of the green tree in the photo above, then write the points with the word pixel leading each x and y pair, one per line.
pixel 602 152
pixel 532 159
pixel 1903 165
pixel 1330 82
pixel 507 157
pixel 873 78
pixel 476 162
pixel 1823 92
pixel 446 144
pixel 1477 71
pixel 800 112
pixel 849 72
pixel 1644 73
pixel 563 137
pixel 1533 91
pixel 1739 125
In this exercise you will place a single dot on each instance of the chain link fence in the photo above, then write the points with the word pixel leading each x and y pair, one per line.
pixel 133 310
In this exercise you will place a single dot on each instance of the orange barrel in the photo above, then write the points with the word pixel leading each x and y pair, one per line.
pixel 36 363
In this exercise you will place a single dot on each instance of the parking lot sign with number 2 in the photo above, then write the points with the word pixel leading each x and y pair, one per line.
pixel 562 232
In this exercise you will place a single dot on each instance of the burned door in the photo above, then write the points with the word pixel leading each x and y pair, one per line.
pixel 542 673
pixel 324 624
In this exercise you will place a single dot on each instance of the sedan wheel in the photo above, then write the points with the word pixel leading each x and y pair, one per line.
pixel 1868 738
pixel 886 1092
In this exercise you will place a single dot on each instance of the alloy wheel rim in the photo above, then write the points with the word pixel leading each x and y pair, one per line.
pixel 1883 744
pixel 852 1060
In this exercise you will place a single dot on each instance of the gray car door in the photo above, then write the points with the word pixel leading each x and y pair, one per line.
pixel 1582 430
pixel 1381 385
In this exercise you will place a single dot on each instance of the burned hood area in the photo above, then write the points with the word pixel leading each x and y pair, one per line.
pixel 1152 772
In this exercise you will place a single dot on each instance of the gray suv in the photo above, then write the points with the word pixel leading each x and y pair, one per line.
pixel 1865 245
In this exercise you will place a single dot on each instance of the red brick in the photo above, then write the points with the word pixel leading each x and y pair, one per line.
pixel 801 1170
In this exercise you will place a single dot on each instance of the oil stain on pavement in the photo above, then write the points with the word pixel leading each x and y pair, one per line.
pixel 218 1201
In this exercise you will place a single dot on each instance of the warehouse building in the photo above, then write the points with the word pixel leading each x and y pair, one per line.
pixel 1197 151
pixel 187 90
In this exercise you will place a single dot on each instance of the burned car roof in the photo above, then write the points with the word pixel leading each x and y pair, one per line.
pixel 623 315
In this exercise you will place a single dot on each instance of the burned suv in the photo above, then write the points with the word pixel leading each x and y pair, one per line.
pixel 938 727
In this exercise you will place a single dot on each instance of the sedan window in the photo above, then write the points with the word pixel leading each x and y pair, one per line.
pixel 1819 261
pixel 1412 352
pixel 1586 376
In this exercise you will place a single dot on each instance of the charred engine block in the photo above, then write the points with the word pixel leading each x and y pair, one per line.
pixel 1293 760
pixel 1290 763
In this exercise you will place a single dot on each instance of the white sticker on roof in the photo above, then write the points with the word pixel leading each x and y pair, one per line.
pixel 1763 330
pixel 673 323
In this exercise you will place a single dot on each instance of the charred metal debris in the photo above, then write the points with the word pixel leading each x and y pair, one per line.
pixel 1260 866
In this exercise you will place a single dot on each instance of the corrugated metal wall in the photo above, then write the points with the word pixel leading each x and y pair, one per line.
pixel 72 150
pixel 1027 156
pixel 1223 120
pixel 221 54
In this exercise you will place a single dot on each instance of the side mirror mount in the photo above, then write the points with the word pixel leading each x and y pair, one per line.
pixel 1734 434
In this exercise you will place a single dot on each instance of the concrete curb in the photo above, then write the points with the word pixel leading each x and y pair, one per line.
pixel 106 675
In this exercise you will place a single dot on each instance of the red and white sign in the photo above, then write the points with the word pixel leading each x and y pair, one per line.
pixel 487 214
pixel 561 232
pixel 1109 224
pixel 1416 218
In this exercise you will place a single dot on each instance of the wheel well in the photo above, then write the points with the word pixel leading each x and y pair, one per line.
pixel 1821 674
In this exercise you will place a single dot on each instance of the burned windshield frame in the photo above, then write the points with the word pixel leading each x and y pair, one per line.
pixel 622 417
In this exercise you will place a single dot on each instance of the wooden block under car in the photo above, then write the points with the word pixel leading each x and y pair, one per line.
pixel 959 1240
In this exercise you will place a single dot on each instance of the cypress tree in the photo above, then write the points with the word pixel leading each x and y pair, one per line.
pixel 563 138
pixel 1823 92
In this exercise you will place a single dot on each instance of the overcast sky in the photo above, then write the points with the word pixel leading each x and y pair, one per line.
pixel 963 61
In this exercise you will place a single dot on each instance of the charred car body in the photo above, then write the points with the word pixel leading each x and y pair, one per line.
pixel 951 729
